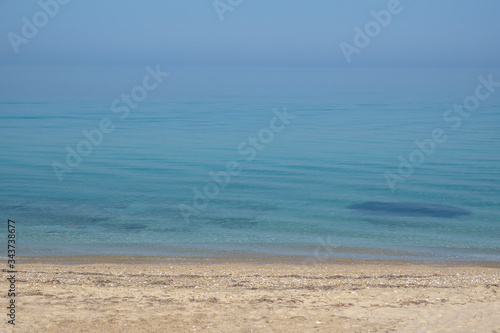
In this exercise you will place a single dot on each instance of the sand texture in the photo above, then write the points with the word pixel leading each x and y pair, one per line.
pixel 254 297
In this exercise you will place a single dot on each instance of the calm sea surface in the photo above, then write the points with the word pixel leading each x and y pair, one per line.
pixel 310 183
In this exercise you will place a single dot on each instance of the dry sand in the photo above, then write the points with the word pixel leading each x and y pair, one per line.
pixel 104 295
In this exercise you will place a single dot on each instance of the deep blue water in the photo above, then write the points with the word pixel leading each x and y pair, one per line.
pixel 300 195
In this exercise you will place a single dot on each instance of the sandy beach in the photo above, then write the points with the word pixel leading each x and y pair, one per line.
pixel 200 295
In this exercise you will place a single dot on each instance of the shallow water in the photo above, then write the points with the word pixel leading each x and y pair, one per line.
pixel 295 197
pixel 410 209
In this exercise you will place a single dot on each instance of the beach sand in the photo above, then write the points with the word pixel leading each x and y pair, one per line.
pixel 201 295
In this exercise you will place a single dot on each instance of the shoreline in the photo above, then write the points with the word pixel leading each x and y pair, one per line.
pixel 292 260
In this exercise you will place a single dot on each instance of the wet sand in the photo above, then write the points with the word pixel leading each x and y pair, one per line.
pixel 252 295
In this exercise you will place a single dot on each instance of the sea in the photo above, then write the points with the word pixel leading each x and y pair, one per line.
pixel 351 163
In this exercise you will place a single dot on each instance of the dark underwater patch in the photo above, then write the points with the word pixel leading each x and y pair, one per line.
pixel 234 223
pixel 124 226
pixel 409 209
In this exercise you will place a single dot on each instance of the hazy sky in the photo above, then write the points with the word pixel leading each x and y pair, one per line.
pixel 254 33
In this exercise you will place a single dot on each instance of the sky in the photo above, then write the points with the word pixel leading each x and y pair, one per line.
pixel 424 33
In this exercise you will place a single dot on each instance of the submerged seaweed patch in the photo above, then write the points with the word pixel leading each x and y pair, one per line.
pixel 409 209
pixel 234 223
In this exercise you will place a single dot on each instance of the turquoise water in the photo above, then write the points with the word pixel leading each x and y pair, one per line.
pixel 295 197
